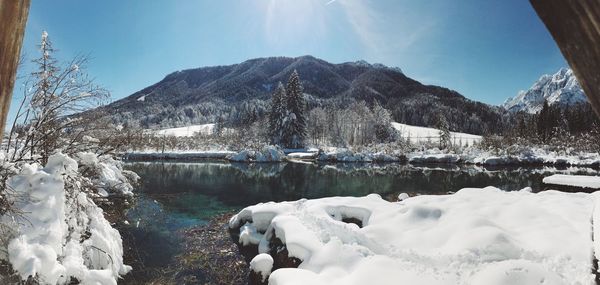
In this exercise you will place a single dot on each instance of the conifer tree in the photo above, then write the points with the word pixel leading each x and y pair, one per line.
pixel 217 130
pixel 383 124
pixel 445 137
pixel 294 133
pixel 277 114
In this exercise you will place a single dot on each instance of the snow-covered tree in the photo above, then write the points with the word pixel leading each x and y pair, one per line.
pixel 384 132
pixel 53 93
pixel 218 128
pixel 318 125
pixel 445 136
pixel 277 113
pixel 294 131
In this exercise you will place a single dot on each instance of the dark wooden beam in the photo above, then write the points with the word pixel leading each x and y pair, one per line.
pixel 13 17
pixel 575 26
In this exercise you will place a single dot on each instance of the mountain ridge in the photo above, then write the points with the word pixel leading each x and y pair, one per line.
pixel 201 95
pixel 560 88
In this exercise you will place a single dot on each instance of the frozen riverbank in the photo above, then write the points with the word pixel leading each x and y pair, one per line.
pixel 476 236
pixel 468 156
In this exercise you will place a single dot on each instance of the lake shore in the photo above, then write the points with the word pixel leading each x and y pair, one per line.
pixel 469 156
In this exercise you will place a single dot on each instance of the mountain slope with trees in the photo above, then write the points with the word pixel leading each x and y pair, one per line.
pixel 240 94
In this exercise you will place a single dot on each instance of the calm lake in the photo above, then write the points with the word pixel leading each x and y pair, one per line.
pixel 176 195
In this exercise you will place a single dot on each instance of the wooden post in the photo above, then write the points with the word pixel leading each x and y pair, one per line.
pixel 13 17
pixel 575 26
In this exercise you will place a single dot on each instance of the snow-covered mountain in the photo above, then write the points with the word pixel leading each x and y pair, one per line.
pixel 561 88
pixel 235 92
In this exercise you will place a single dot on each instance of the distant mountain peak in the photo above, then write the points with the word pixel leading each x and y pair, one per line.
pixel 560 88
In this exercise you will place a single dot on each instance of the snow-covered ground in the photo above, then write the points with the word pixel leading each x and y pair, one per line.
pixel 346 155
pixel 415 133
pixel 476 156
pixel 189 131
pixel 423 135
pixel 470 153
pixel 60 233
pixel 581 181
pixel 522 156
pixel 475 236
pixel 183 155
pixel 266 154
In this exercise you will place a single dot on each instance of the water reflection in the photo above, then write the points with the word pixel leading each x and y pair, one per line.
pixel 203 189
pixel 178 195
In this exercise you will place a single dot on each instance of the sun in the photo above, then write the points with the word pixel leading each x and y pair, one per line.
pixel 290 20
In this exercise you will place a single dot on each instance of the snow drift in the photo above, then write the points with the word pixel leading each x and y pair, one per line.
pixel 108 175
pixel 61 233
pixel 346 155
pixel 475 236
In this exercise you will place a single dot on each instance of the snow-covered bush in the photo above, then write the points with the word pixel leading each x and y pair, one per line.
pixel 106 174
pixel 58 233
pixel 268 153
pixel 347 155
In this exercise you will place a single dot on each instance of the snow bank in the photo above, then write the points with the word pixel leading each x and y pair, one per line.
pixel 107 174
pixel 520 156
pixel 434 158
pixel 475 236
pixel 61 234
pixel 262 264
pixel 303 155
pixel 581 181
pixel 267 154
pixel 346 155
pixel 180 155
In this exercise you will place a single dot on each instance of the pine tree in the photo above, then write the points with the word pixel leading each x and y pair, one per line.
pixel 442 125
pixel 294 134
pixel 546 122
pixel 383 124
pixel 217 130
pixel 521 127
pixel 277 114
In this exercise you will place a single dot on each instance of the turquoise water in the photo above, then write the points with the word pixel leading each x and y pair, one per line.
pixel 175 195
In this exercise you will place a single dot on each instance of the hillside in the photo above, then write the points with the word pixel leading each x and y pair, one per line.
pixel 235 92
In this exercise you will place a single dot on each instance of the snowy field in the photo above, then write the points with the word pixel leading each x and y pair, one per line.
pixel 189 131
pixel 514 155
pixel 475 236
pixel 415 133
pixel 424 134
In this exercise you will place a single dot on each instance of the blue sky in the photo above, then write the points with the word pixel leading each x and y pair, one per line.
pixel 487 50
